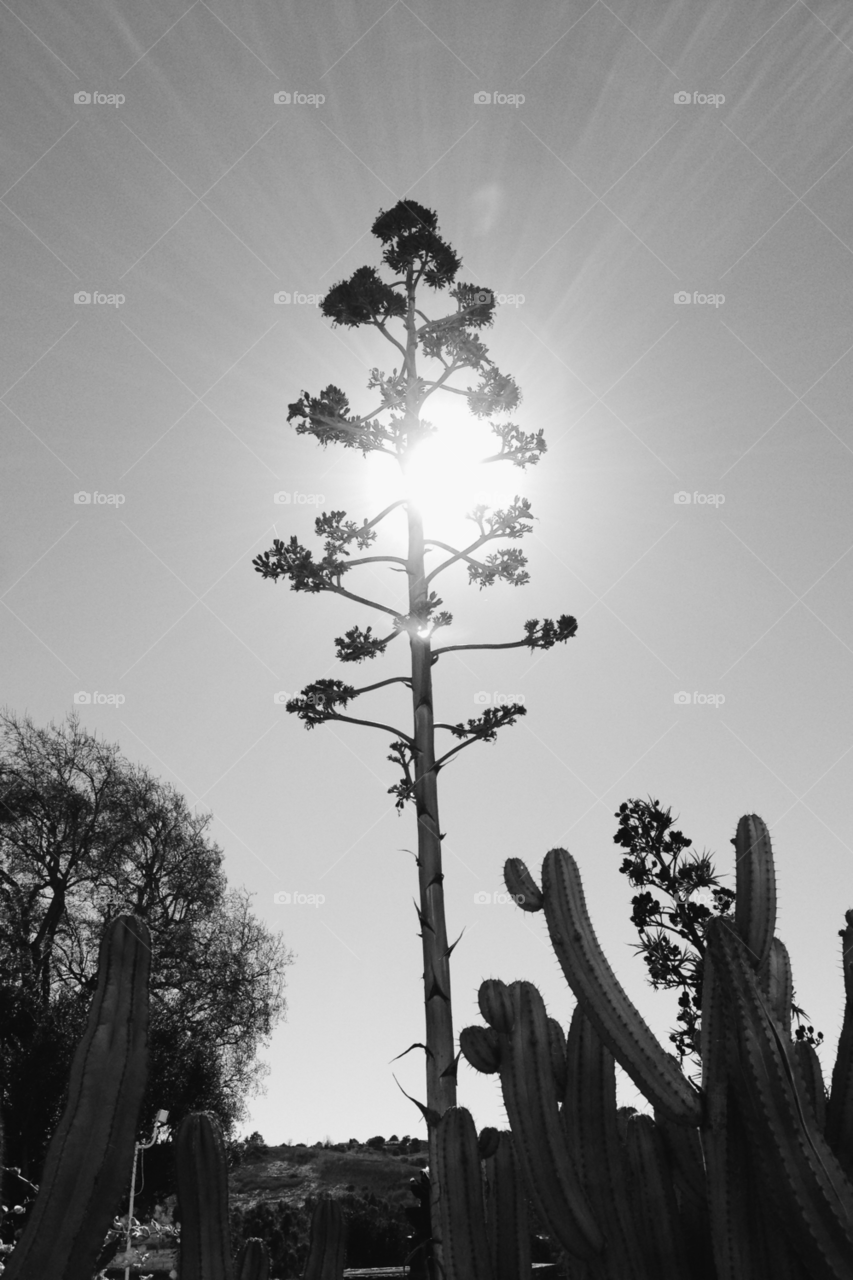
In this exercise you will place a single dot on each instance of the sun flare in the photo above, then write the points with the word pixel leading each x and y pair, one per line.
pixel 445 476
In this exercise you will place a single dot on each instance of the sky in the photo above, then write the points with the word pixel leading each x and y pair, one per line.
pixel 660 196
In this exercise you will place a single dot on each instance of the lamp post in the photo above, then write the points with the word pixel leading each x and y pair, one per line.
pixel 162 1117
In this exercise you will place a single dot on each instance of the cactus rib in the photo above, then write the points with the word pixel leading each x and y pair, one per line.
pixel 656 1073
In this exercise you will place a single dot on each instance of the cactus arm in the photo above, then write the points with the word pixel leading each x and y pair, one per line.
pixel 253 1261
pixel 327 1250
pixel 201 1170
pixel 839 1111
pixel 755 884
pixel 628 1037
pixel 506 1217
pixel 463 1222
pixel 481 1047
pixel 659 1223
pixel 91 1151
pixel 521 885
pixel 589 1120
pixel 776 980
pixel 684 1148
pixel 727 1181
pixel 531 1101
pixel 811 1197
pixel 810 1081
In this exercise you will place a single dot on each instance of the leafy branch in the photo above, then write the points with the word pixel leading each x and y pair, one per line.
pixel 644 830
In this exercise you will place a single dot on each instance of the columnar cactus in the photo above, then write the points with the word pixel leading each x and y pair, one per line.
pixel 745 1178
pixel 201 1169
pixel 90 1153
pixel 483 1204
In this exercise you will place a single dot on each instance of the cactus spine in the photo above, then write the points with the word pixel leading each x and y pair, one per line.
pixel 91 1151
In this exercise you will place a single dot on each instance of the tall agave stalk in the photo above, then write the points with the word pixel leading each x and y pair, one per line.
pixel 749 1176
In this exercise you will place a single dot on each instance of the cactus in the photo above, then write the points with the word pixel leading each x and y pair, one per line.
pixel 484 1205
pixel 91 1151
pixel 749 1176
pixel 253 1261
pixel 201 1169
pixel 327 1250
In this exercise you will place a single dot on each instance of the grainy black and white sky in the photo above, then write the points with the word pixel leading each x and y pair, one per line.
pixel 590 205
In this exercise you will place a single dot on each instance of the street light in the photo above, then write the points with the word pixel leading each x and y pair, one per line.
pixel 159 1123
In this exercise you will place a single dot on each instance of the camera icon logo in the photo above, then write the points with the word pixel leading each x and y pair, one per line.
pixel 482 99
pixel 82 98
pixel 482 899
pixel 281 98
pixel 82 499
pixel 82 698
pixel 681 99
pixel 482 698
pixel 281 297
pixel 281 898
pixel 681 498
pixel 282 498
pixel 681 699
pixel 82 296
pixel 281 698
pixel 484 296
pixel 682 296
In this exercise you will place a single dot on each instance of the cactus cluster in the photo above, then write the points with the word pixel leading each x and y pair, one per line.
pixel 90 1154
pixel 748 1177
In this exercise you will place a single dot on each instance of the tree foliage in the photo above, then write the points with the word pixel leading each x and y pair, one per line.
pixel 84 836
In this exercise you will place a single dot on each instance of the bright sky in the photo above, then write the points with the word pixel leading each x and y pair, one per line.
pixel 589 197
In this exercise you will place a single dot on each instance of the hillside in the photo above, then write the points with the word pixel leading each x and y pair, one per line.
pixel 293 1173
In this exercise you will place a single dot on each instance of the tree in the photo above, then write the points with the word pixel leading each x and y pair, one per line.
pixel 416 254
pixel 84 836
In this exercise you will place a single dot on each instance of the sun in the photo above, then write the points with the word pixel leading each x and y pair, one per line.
pixel 445 476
